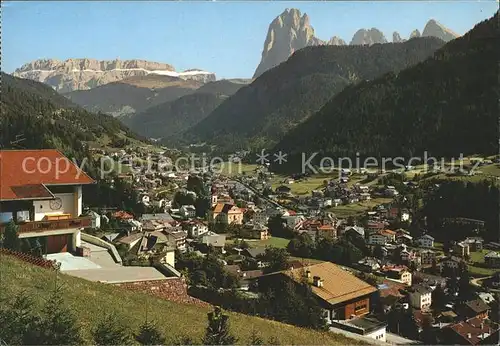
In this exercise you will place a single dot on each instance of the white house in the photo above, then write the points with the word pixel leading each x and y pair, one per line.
pixel 421 297
pixel 426 241
pixel 197 228
pixel 188 211
pixel 41 191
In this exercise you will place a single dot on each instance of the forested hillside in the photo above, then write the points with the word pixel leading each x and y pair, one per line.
pixel 446 105
pixel 172 118
pixel 280 99
pixel 44 119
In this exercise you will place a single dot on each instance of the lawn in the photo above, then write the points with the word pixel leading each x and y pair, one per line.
pixel 353 209
pixel 91 300
pixel 478 256
pixel 273 241
pixel 231 169
pixel 480 271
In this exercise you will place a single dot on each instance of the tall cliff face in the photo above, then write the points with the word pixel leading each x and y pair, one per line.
pixel 433 28
pixel 291 31
pixel 288 32
pixel 369 37
pixel 84 74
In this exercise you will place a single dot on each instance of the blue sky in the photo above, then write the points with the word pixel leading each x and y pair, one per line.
pixel 222 37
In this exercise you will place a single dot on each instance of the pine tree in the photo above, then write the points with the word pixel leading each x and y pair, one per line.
pixel 110 331
pixel 149 335
pixel 11 238
pixel 19 323
pixel 217 332
pixel 58 325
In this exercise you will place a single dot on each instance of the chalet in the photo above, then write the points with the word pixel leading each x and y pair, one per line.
pixel 41 191
pixel 401 274
pixel 226 214
pixel 404 239
pixel 474 309
pixel 427 257
pixel 492 259
pixel 196 228
pixel 426 241
pixel 187 211
pixel 341 294
pixel 255 231
pixel 461 249
pixel 475 243
pixel 377 239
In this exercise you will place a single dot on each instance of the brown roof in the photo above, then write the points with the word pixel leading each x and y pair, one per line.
pixel 476 328
pixel 338 285
pixel 23 171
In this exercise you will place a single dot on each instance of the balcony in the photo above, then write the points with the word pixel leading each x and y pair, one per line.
pixel 52 225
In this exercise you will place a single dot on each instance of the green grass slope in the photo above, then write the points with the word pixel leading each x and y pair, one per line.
pixel 90 301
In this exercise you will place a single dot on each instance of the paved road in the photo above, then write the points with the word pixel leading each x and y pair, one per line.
pixel 395 339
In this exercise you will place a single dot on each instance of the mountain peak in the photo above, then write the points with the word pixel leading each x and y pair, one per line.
pixel 368 36
pixel 434 28
pixel 288 32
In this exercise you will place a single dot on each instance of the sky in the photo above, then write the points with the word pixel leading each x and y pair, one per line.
pixel 224 37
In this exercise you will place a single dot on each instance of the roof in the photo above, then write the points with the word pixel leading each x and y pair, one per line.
pixel 131 238
pixel 474 330
pixel 25 173
pixel 122 215
pixel 157 217
pixel 338 285
pixel 421 289
pixel 225 208
pixel 254 252
pixel 477 305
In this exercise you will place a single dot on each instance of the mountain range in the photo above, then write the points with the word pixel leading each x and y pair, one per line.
pixel 83 74
pixel 446 105
pixel 291 31
pixel 260 114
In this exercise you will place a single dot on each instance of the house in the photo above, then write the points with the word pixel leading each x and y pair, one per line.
pixel 261 217
pixel 475 243
pixel 420 297
pixel 215 240
pixel 474 331
pixel 389 293
pixel 377 239
pixel 196 228
pixel 121 215
pixel 177 238
pixel 254 253
pixel 451 262
pixel 340 293
pixel 188 211
pixel 401 274
pixel 226 214
pixel 461 249
pixel 474 309
pixel 492 259
pixel 131 240
pixel 427 257
pixel 426 241
pixel 368 327
pixel 368 264
pixel 96 219
pixel 165 217
pixel 283 190
pixel 404 239
pixel 357 231
pixel 41 191
pixel 255 231
pixel 429 279
pixel 390 235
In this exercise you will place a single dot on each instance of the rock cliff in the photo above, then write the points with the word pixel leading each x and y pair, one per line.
pixel 84 74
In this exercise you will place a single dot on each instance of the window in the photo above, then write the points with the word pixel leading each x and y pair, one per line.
pixel 359 308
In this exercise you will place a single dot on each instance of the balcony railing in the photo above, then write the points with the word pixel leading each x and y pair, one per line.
pixel 42 226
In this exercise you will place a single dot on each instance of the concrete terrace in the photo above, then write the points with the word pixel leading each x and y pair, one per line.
pixel 101 267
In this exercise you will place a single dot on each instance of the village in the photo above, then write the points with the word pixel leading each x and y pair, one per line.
pixel 346 236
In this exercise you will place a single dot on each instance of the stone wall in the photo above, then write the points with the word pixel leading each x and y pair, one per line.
pixel 38 261
pixel 174 289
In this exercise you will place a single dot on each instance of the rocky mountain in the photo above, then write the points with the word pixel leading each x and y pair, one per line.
pixel 291 31
pixel 368 36
pixel 433 28
pixel 133 95
pixel 396 38
pixel 83 74
pixel 445 106
pixel 415 33
pixel 263 112
pixel 336 41
pixel 173 118
pixel 46 119
pixel 287 33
